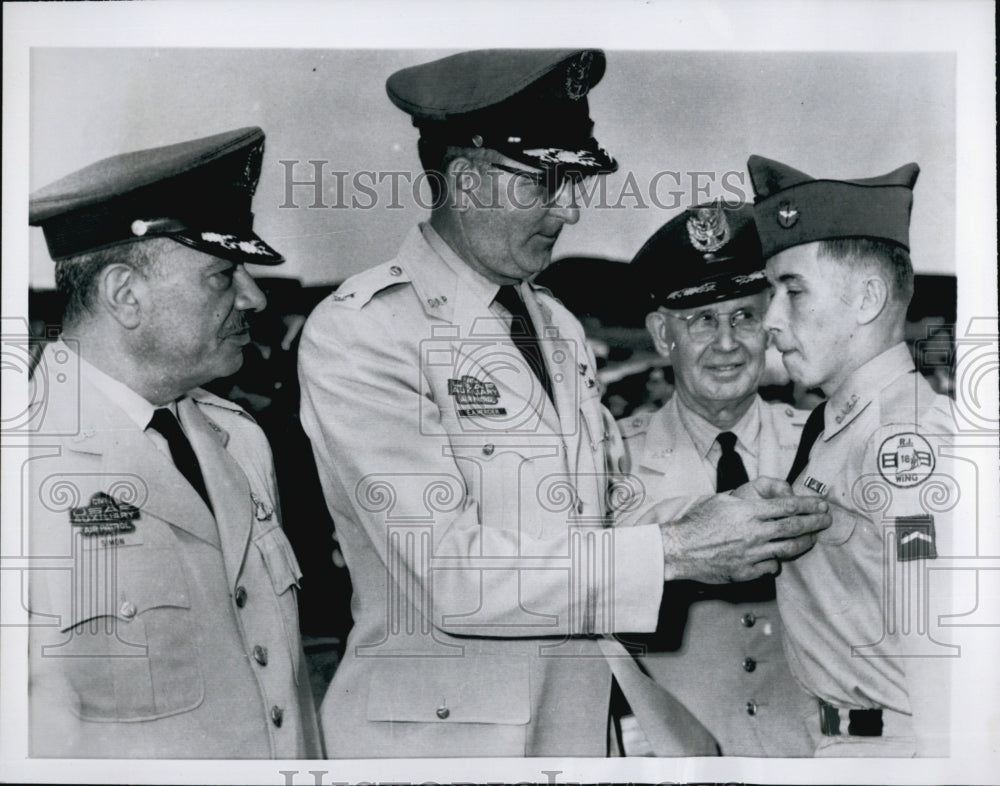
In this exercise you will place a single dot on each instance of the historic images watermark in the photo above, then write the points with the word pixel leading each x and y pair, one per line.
pixel 316 185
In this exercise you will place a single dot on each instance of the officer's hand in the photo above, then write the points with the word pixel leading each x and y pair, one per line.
pixel 728 539
pixel 763 488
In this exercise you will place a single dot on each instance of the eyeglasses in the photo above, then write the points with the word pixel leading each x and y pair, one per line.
pixel 704 325
pixel 547 184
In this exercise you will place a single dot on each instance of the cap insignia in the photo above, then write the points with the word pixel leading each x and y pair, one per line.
pixel 578 76
pixel 709 230
pixel 788 214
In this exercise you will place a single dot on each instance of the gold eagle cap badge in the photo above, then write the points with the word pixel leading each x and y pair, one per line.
pixel 709 230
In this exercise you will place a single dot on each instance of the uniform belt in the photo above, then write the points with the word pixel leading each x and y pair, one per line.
pixel 860 723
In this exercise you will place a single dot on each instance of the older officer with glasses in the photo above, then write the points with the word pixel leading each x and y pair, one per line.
pixel 717 647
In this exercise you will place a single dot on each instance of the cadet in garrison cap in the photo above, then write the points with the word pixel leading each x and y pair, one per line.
pixel 447 376
pixel 837 257
pixel 717 648
pixel 172 632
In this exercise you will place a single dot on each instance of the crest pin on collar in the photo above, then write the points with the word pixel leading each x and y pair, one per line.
pixel 709 230
pixel 263 511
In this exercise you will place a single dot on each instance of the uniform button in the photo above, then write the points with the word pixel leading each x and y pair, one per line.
pixel 748 619
pixel 751 708
pixel 589 383
pixel 260 655
pixel 241 596
pixel 395 270
pixel 443 712
pixel 127 610
pixel 277 716
pixel 749 664
pixel 579 506
pixel 488 449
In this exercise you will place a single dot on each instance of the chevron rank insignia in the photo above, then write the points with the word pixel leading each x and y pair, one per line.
pixel 915 538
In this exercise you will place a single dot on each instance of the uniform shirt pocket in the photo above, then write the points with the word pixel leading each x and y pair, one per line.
pixel 128 650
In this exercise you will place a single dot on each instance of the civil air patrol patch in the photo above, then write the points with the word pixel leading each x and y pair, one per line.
pixel 906 459
pixel 105 518
pixel 475 398
pixel 915 538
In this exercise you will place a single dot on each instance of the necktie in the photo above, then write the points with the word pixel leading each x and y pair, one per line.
pixel 812 429
pixel 165 422
pixel 730 472
pixel 524 335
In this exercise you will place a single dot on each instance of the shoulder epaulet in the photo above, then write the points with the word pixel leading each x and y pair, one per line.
pixel 635 424
pixel 359 289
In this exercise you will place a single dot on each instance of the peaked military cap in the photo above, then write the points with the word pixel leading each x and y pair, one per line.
pixel 792 208
pixel 528 104
pixel 197 193
pixel 706 254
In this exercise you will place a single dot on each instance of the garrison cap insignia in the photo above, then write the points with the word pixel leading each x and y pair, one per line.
pixel 906 460
pixel 915 538
pixel 104 516
pixel 788 215
pixel 708 230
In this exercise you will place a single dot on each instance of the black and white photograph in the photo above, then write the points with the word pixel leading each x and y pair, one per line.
pixel 498 392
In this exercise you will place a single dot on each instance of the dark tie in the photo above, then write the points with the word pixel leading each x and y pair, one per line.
pixel 730 472
pixel 812 429
pixel 524 335
pixel 185 460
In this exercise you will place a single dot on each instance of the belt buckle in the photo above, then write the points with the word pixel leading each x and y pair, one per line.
pixel 829 719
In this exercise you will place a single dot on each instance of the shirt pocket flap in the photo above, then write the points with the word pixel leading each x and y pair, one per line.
pixel 472 689
pixel 279 558
pixel 124 583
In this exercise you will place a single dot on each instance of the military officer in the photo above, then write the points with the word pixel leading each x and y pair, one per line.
pixel 163 603
pixel 838 259
pixel 717 647
pixel 457 426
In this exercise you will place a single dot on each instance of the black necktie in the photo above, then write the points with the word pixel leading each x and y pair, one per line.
pixel 185 460
pixel 730 472
pixel 812 429
pixel 524 335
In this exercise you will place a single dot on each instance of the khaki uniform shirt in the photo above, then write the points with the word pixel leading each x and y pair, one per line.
pixel 855 606
pixel 159 630
pixel 472 515
pixel 721 657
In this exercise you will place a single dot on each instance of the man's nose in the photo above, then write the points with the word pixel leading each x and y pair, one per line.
pixel 249 296
pixel 564 205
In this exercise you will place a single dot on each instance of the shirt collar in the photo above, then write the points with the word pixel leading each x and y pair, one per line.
pixel 703 434
pixel 137 408
pixel 474 283
pixel 861 387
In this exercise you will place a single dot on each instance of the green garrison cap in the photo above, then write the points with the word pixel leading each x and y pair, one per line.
pixel 197 193
pixel 528 104
pixel 792 208
pixel 706 254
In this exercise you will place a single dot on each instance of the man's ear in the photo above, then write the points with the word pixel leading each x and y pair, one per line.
pixel 873 296
pixel 659 331
pixel 119 291
pixel 463 178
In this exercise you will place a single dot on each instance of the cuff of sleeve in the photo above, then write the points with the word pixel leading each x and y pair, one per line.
pixel 638 579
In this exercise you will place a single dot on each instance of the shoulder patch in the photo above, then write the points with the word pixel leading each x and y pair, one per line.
pixel 635 424
pixel 906 459
pixel 359 289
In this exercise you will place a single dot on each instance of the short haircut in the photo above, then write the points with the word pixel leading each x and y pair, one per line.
pixel 891 259
pixel 76 276
pixel 435 157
